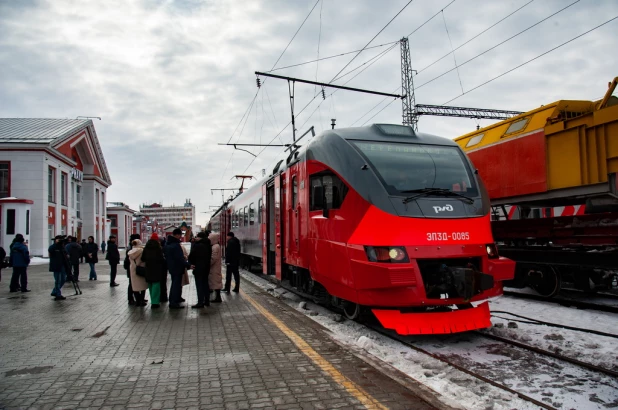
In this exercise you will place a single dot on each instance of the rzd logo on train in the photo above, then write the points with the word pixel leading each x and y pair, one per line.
pixel 445 208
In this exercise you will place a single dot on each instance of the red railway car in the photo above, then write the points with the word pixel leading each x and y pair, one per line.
pixel 377 218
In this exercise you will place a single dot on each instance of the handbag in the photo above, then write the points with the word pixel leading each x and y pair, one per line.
pixel 140 271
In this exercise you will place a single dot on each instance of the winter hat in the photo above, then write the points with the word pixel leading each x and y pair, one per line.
pixel 134 236
pixel 154 236
pixel 202 235
pixel 19 238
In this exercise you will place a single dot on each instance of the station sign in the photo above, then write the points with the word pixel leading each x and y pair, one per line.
pixel 77 175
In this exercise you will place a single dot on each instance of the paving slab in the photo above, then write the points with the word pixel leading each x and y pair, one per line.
pixel 251 351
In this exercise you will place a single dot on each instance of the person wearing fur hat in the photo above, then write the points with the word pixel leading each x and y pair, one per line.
pixel 215 280
pixel 199 258
pixel 138 283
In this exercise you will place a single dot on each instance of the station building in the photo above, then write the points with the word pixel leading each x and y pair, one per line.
pixel 121 222
pixel 58 166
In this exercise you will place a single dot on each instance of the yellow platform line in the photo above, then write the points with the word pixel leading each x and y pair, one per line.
pixel 352 388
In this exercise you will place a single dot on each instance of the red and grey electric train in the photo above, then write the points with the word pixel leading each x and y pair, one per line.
pixel 378 218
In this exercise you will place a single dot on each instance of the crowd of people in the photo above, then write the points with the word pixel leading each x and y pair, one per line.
pixel 147 266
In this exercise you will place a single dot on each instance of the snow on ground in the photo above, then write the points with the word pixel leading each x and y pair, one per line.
pixel 456 388
pixel 590 348
pixel 36 260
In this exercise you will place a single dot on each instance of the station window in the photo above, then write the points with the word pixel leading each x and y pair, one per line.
pixel 5 179
pixel 251 214
pixel 517 126
pixel 245 217
pixel 332 189
pixel 475 140
pixel 10 222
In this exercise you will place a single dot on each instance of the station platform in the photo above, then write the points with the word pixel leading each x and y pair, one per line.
pixel 251 351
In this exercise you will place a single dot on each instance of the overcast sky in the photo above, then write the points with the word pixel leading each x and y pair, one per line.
pixel 172 79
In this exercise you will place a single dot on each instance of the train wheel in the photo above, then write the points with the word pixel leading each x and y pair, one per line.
pixel 351 310
pixel 545 280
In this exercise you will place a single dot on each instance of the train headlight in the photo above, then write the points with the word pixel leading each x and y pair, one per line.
pixel 387 254
pixel 492 251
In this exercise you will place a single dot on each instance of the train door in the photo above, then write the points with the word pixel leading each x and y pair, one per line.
pixel 270 227
pixel 293 217
pixel 280 188
pixel 263 228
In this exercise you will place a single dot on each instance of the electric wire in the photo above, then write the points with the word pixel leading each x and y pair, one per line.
pixel 294 36
pixel 333 56
pixel 473 38
pixel 497 45
pixel 370 41
pixel 532 59
pixel 431 18
pixel 452 51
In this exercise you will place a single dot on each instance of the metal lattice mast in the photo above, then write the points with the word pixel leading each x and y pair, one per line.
pixel 408 103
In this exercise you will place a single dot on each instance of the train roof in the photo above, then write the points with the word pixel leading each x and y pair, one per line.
pixel 389 133
pixel 525 123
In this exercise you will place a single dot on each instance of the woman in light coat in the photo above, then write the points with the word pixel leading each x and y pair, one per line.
pixel 138 283
pixel 215 280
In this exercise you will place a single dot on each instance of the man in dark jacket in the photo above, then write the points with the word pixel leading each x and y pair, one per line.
pixel 199 258
pixel 232 262
pixel 176 265
pixel 59 265
pixel 113 257
pixel 84 244
pixel 92 256
pixel 19 259
pixel 75 252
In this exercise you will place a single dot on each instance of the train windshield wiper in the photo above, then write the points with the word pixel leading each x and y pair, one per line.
pixel 434 191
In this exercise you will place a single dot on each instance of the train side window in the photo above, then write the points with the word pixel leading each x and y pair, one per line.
pixel 245 217
pixel 259 211
pixel 251 214
pixel 517 126
pixel 294 192
pixel 316 191
pixel 332 189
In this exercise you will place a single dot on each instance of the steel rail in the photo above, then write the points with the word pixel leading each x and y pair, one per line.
pixel 562 301
pixel 386 333
pixel 538 350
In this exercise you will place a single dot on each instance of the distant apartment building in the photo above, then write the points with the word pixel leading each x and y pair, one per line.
pixel 170 215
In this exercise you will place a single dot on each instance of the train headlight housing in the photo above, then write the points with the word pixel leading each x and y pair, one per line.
pixel 492 251
pixel 387 254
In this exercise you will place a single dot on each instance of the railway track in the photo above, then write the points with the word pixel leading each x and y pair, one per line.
pixel 579 304
pixel 539 364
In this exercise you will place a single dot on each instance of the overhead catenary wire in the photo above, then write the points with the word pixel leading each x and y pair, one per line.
pixel 373 38
pixel 473 38
pixel 497 45
pixel 532 59
pixel 452 50
pixel 258 90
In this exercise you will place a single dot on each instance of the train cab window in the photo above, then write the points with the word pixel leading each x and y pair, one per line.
pixel 251 214
pixel 259 212
pixel 327 192
pixel 245 217
pixel 294 192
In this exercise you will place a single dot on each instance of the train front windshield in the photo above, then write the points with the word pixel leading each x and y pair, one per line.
pixel 407 167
